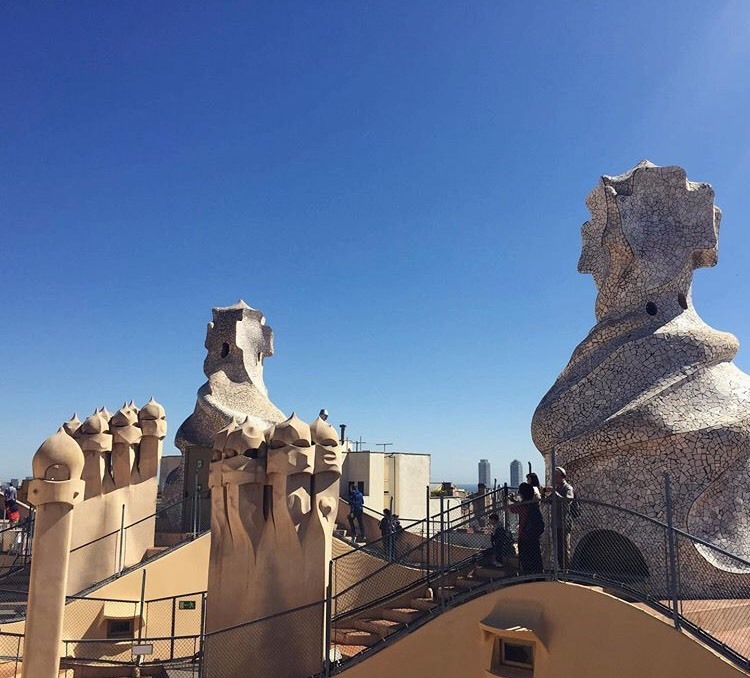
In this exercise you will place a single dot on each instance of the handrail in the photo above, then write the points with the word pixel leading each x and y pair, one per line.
pixel 646 591
pixel 267 617
pixel 123 600
pixel 155 514
pixel 428 521
pixel 708 544
pixel 376 594
pixel 112 641
pixel 365 546
pixel 365 507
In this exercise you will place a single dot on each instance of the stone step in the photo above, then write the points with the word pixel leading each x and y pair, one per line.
pixel 489 572
pixel 425 604
pixel 468 583
pixel 350 636
pixel 350 650
pixel 405 615
pixel 381 627
pixel 154 550
pixel 171 538
pixel 448 592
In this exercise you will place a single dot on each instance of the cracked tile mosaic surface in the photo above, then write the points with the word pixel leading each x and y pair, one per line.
pixel 652 388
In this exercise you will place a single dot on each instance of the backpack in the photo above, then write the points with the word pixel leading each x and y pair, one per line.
pixel 535 523
pixel 574 509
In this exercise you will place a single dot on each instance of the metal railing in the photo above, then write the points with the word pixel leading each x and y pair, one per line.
pixel 15 545
pixel 698 586
pixel 632 555
pixel 109 551
pixel 289 643
pixel 166 631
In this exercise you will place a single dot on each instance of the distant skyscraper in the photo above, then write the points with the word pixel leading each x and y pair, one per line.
pixel 516 473
pixel 484 473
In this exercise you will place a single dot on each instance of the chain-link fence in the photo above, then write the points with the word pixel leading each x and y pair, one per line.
pixel 636 556
pixel 108 555
pixel 180 650
pixel 130 546
pixel 391 585
pixel 11 653
pixel 105 631
pixel 15 545
pixel 415 557
pixel 286 645
pixel 715 600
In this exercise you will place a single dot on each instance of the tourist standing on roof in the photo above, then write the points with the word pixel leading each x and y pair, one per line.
pixel 533 480
pixel 10 493
pixel 388 533
pixel 356 511
pixel 565 495
pixel 530 530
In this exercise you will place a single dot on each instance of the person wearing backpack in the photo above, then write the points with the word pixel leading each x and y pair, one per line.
pixel 565 505
pixel 501 541
pixel 356 512
pixel 398 533
pixel 388 533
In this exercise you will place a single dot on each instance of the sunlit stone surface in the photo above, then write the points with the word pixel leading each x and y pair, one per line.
pixel 652 388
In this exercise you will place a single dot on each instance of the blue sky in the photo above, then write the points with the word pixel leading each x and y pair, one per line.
pixel 399 187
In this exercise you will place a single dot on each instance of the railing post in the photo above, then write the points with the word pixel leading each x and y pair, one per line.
pixel 555 519
pixel 174 625
pixel 427 508
pixel 202 635
pixel 28 535
pixel 328 621
pixel 142 602
pixel 427 541
pixel 505 505
pixel 121 551
pixel 442 552
pixel 672 549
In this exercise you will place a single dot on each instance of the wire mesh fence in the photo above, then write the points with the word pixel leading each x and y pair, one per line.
pixel 611 544
pixel 414 557
pixel 11 652
pixel 584 541
pixel 15 545
pixel 286 645
pixel 715 598
pixel 129 651
pixel 465 550
pixel 110 554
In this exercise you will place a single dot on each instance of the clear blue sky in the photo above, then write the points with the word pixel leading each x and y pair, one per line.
pixel 398 186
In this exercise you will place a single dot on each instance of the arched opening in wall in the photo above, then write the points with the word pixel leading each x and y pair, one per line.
pixel 608 553
pixel 224 350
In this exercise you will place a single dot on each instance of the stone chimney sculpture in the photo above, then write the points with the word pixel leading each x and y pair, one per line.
pixel 652 388
pixel 120 473
pixel 237 343
pixel 55 490
pixel 274 499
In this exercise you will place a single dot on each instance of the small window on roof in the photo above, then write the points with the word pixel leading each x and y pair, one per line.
pixel 512 653
pixel 120 628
